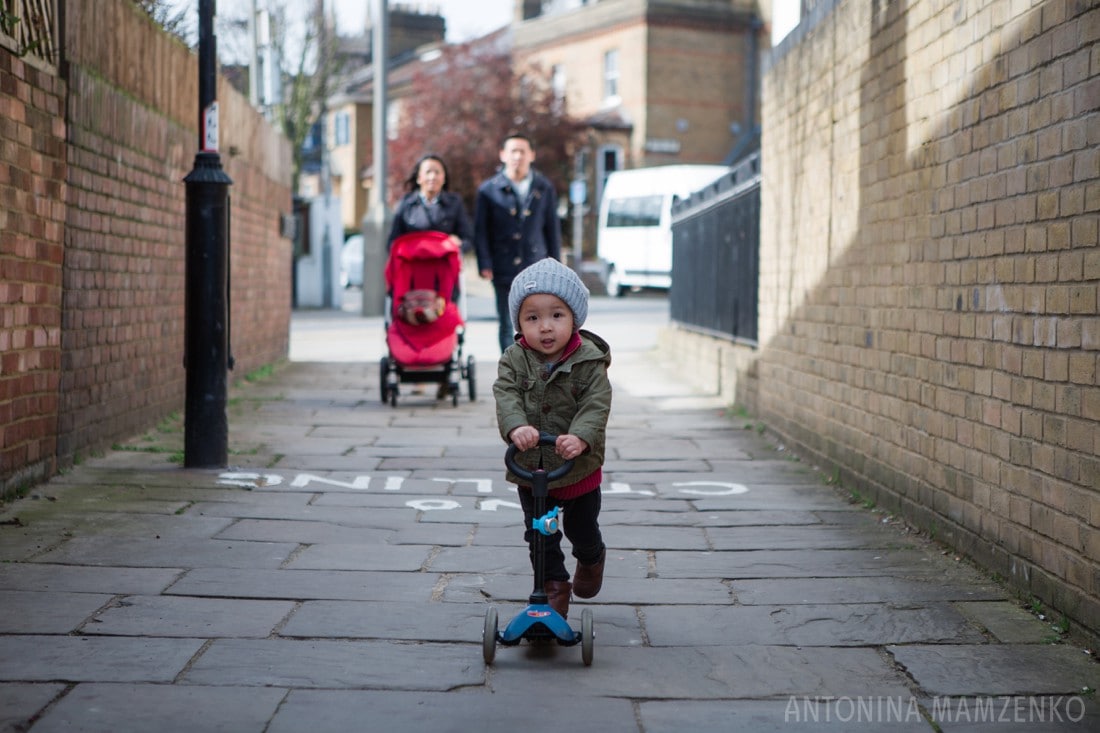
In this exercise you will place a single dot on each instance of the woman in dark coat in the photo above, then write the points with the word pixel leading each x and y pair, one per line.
pixel 429 206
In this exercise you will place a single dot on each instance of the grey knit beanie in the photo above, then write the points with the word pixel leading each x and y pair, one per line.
pixel 549 276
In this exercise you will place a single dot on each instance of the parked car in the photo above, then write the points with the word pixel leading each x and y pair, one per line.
pixel 351 262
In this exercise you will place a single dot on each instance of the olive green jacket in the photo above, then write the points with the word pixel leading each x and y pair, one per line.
pixel 574 399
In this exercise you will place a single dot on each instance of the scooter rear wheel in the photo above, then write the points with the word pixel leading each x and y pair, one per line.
pixel 489 636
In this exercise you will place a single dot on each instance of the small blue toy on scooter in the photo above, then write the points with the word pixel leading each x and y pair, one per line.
pixel 538 622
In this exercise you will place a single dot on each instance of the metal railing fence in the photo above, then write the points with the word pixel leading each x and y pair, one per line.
pixel 716 255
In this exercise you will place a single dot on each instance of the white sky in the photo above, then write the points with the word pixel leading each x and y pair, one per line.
pixel 784 19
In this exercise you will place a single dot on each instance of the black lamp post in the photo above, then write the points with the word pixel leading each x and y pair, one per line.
pixel 206 339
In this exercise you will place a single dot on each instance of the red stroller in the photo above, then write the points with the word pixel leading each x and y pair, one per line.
pixel 424 328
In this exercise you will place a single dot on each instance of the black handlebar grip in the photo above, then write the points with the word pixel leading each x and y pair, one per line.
pixel 523 473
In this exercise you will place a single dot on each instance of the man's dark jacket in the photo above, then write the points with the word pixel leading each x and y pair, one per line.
pixel 509 234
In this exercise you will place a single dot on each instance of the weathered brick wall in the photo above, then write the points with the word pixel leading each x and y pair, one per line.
pixel 930 273
pixel 32 212
pixel 132 139
pixel 93 240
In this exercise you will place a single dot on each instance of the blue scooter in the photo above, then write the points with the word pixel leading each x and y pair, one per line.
pixel 538 622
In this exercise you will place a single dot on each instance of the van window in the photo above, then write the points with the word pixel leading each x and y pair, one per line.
pixel 638 211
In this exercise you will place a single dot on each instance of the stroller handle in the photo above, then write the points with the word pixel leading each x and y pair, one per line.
pixel 523 473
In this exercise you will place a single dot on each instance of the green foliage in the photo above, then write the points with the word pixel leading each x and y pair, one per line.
pixel 9 24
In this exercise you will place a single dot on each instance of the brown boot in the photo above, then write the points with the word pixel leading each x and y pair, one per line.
pixel 588 579
pixel 557 594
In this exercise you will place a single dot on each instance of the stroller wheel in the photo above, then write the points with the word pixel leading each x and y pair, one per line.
pixel 383 370
pixel 393 396
pixel 471 377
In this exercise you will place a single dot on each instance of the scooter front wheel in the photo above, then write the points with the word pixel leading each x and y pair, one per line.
pixel 489 636
pixel 588 637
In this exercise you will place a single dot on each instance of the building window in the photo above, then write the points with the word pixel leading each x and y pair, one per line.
pixel 609 158
pixel 557 81
pixel 611 75
pixel 342 133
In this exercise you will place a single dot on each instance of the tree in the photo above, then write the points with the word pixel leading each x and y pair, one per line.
pixel 306 47
pixel 173 20
pixel 461 107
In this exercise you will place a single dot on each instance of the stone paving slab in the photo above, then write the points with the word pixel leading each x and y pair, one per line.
pixel 634 591
pixel 1008 622
pixel 174 616
pixel 452 535
pixel 167 526
pixel 867 589
pixel 306 584
pixel 401 494
pixel 660 449
pixel 96 708
pixel 818 537
pixel 341 486
pixel 42 612
pixel 817 625
pixel 450 465
pixel 793 563
pixel 107 551
pixel 20 702
pixel 93 659
pixel 656 468
pixel 443 622
pixel 465 513
pixel 83 579
pixel 399 558
pixel 1000 669
pixel 643 519
pixel 278 530
pixel 727 492
pixel 326 664
pixel 655 538
pixel 104 480
pixel 340 711
pixel 378 518
pixel 711 672
pixel 320 462
pixel 492 560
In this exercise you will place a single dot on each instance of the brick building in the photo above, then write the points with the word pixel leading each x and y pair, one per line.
pixel 658 82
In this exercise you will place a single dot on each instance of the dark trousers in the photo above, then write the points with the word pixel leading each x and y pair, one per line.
pixel 581 526
pixel 507 333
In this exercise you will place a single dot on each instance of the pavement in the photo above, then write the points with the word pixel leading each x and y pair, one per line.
pixel 336 576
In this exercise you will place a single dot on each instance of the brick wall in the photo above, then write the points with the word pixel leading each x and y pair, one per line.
pixel 93 243
pixel 930 274
pixel 32 211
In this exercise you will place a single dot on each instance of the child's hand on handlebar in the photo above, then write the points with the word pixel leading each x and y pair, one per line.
pixel 569 446
pixel 525 437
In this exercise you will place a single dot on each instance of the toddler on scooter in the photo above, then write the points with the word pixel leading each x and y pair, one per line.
pixel 553 380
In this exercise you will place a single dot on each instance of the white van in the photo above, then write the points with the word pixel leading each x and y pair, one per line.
pixel 634 231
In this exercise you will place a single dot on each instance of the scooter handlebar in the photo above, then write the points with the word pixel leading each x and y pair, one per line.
pixel 523 473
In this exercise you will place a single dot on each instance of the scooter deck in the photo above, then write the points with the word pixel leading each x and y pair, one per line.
pixel 538 621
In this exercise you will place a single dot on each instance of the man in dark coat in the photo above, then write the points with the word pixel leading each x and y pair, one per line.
pixel 515 224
